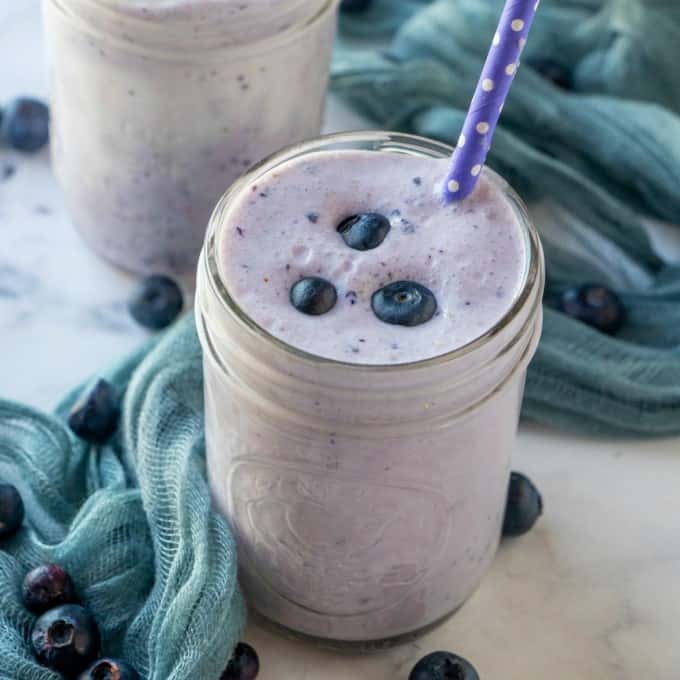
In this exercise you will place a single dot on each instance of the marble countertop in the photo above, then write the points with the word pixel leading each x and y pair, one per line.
pixel 590 594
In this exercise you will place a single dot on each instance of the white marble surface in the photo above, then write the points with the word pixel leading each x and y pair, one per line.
pixel 590 594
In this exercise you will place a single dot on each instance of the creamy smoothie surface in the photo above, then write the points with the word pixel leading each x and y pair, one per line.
pixel 472 256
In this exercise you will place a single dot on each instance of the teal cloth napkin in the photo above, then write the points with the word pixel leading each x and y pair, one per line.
pixel 594 161
pixel 130 520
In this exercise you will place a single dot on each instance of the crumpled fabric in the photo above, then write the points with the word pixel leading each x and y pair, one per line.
pixel 596 163
pixel 130 520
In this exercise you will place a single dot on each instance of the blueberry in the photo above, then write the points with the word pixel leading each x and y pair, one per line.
pixel 313 295
pixel 157 302
pixel 350 6
pixel 443 666
pixel 109 669
pixel 404 303
pixel 594 305
pixel 95 417
pixel 25 125
pixel 524 506
pixel 554 71
pixel 11 510
pixel 46 587
pixel 365 231
pixel 243 665
pixel 66 639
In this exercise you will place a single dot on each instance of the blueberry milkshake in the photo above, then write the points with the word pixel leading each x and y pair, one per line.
pixel 465 262
pixel 365 351
pixel 158 105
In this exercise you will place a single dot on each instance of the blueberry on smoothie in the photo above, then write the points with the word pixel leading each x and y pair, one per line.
pixel 365 231
pixel 524 506
pixel 109 669
pixel 11 510
pixel 66 639
pixel 351 6
pixel 94 417
pixel 594 305
pixel 157 302
pixel 443 666
pixel 404 303
pixel 313 295
pixel 47 586
pixel 243 665
pixel 25 125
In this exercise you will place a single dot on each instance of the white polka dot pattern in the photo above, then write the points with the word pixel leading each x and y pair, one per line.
pixel 494 84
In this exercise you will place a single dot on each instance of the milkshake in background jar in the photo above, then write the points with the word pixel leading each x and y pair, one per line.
pixel 363 465
pixel 158 105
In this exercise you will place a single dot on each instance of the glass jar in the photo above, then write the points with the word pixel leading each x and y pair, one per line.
pixel 367 501
pixel 158 106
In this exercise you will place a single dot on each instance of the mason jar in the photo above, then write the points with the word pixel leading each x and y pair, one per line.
pixel 158 106
pixel 367 501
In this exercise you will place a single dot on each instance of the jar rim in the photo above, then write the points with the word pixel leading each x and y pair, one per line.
pixel 200 44
pixel 385 141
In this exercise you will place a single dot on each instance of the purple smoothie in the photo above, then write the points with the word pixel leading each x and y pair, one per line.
pixel 363 466
pixel 158 105
pixel 471 255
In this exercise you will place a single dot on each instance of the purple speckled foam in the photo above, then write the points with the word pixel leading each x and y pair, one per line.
pixel 487 103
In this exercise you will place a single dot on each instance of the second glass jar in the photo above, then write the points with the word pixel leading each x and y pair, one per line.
pixel 156 109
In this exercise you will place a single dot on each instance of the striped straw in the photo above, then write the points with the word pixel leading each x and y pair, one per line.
pixel 492 89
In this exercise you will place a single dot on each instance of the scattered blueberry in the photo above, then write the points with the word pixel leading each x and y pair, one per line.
pixel 243 665
pixel 553 71
pixel 594 305
pixel 404 303
pixel 95 416
pixel 46 587
pixel 349 6
pixel 443 666
pixel 109 669
pixel 11 510
pixel 524 506
pixel 66 639
pixel 157 302
pixel 25 125
pixel 365 231
pixel 313 295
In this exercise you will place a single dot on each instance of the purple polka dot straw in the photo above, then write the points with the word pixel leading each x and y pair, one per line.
pixel 487 103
